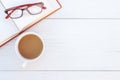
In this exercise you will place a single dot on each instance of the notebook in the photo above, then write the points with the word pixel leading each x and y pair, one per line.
pixel 10 28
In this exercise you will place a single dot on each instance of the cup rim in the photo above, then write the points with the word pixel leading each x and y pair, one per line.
pixel 17 50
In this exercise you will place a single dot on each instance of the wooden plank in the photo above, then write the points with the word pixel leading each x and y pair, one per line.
pixel 71 45
pixel 88 9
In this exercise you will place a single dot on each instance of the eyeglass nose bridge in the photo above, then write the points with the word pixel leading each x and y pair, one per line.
pixel 25 9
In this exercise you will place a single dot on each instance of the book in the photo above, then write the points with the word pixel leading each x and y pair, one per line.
pixel 11 28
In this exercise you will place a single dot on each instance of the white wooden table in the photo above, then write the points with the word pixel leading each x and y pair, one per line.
pixel 83 35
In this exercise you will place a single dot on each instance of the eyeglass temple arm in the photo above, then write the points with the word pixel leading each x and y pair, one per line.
pixel 43 7
pixel 8 15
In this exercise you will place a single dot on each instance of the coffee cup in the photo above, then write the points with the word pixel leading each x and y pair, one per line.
pixel 29 47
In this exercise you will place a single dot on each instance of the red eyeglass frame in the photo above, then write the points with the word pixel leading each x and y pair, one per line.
pixel 20 6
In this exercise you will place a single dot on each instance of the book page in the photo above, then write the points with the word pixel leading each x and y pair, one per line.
pixel 26 19
pixel 7 27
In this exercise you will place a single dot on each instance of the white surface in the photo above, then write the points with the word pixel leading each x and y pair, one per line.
pixel 73 44
pixel 55 75
pixel 89 9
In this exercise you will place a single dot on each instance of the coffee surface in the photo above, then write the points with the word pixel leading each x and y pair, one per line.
pixel 30 46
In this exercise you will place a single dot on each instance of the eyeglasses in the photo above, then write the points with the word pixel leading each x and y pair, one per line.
pixel 17 11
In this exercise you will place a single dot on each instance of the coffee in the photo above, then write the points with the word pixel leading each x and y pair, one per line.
pixel 30 46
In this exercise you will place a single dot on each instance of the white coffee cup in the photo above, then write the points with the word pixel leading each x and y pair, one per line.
pixel 25 60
